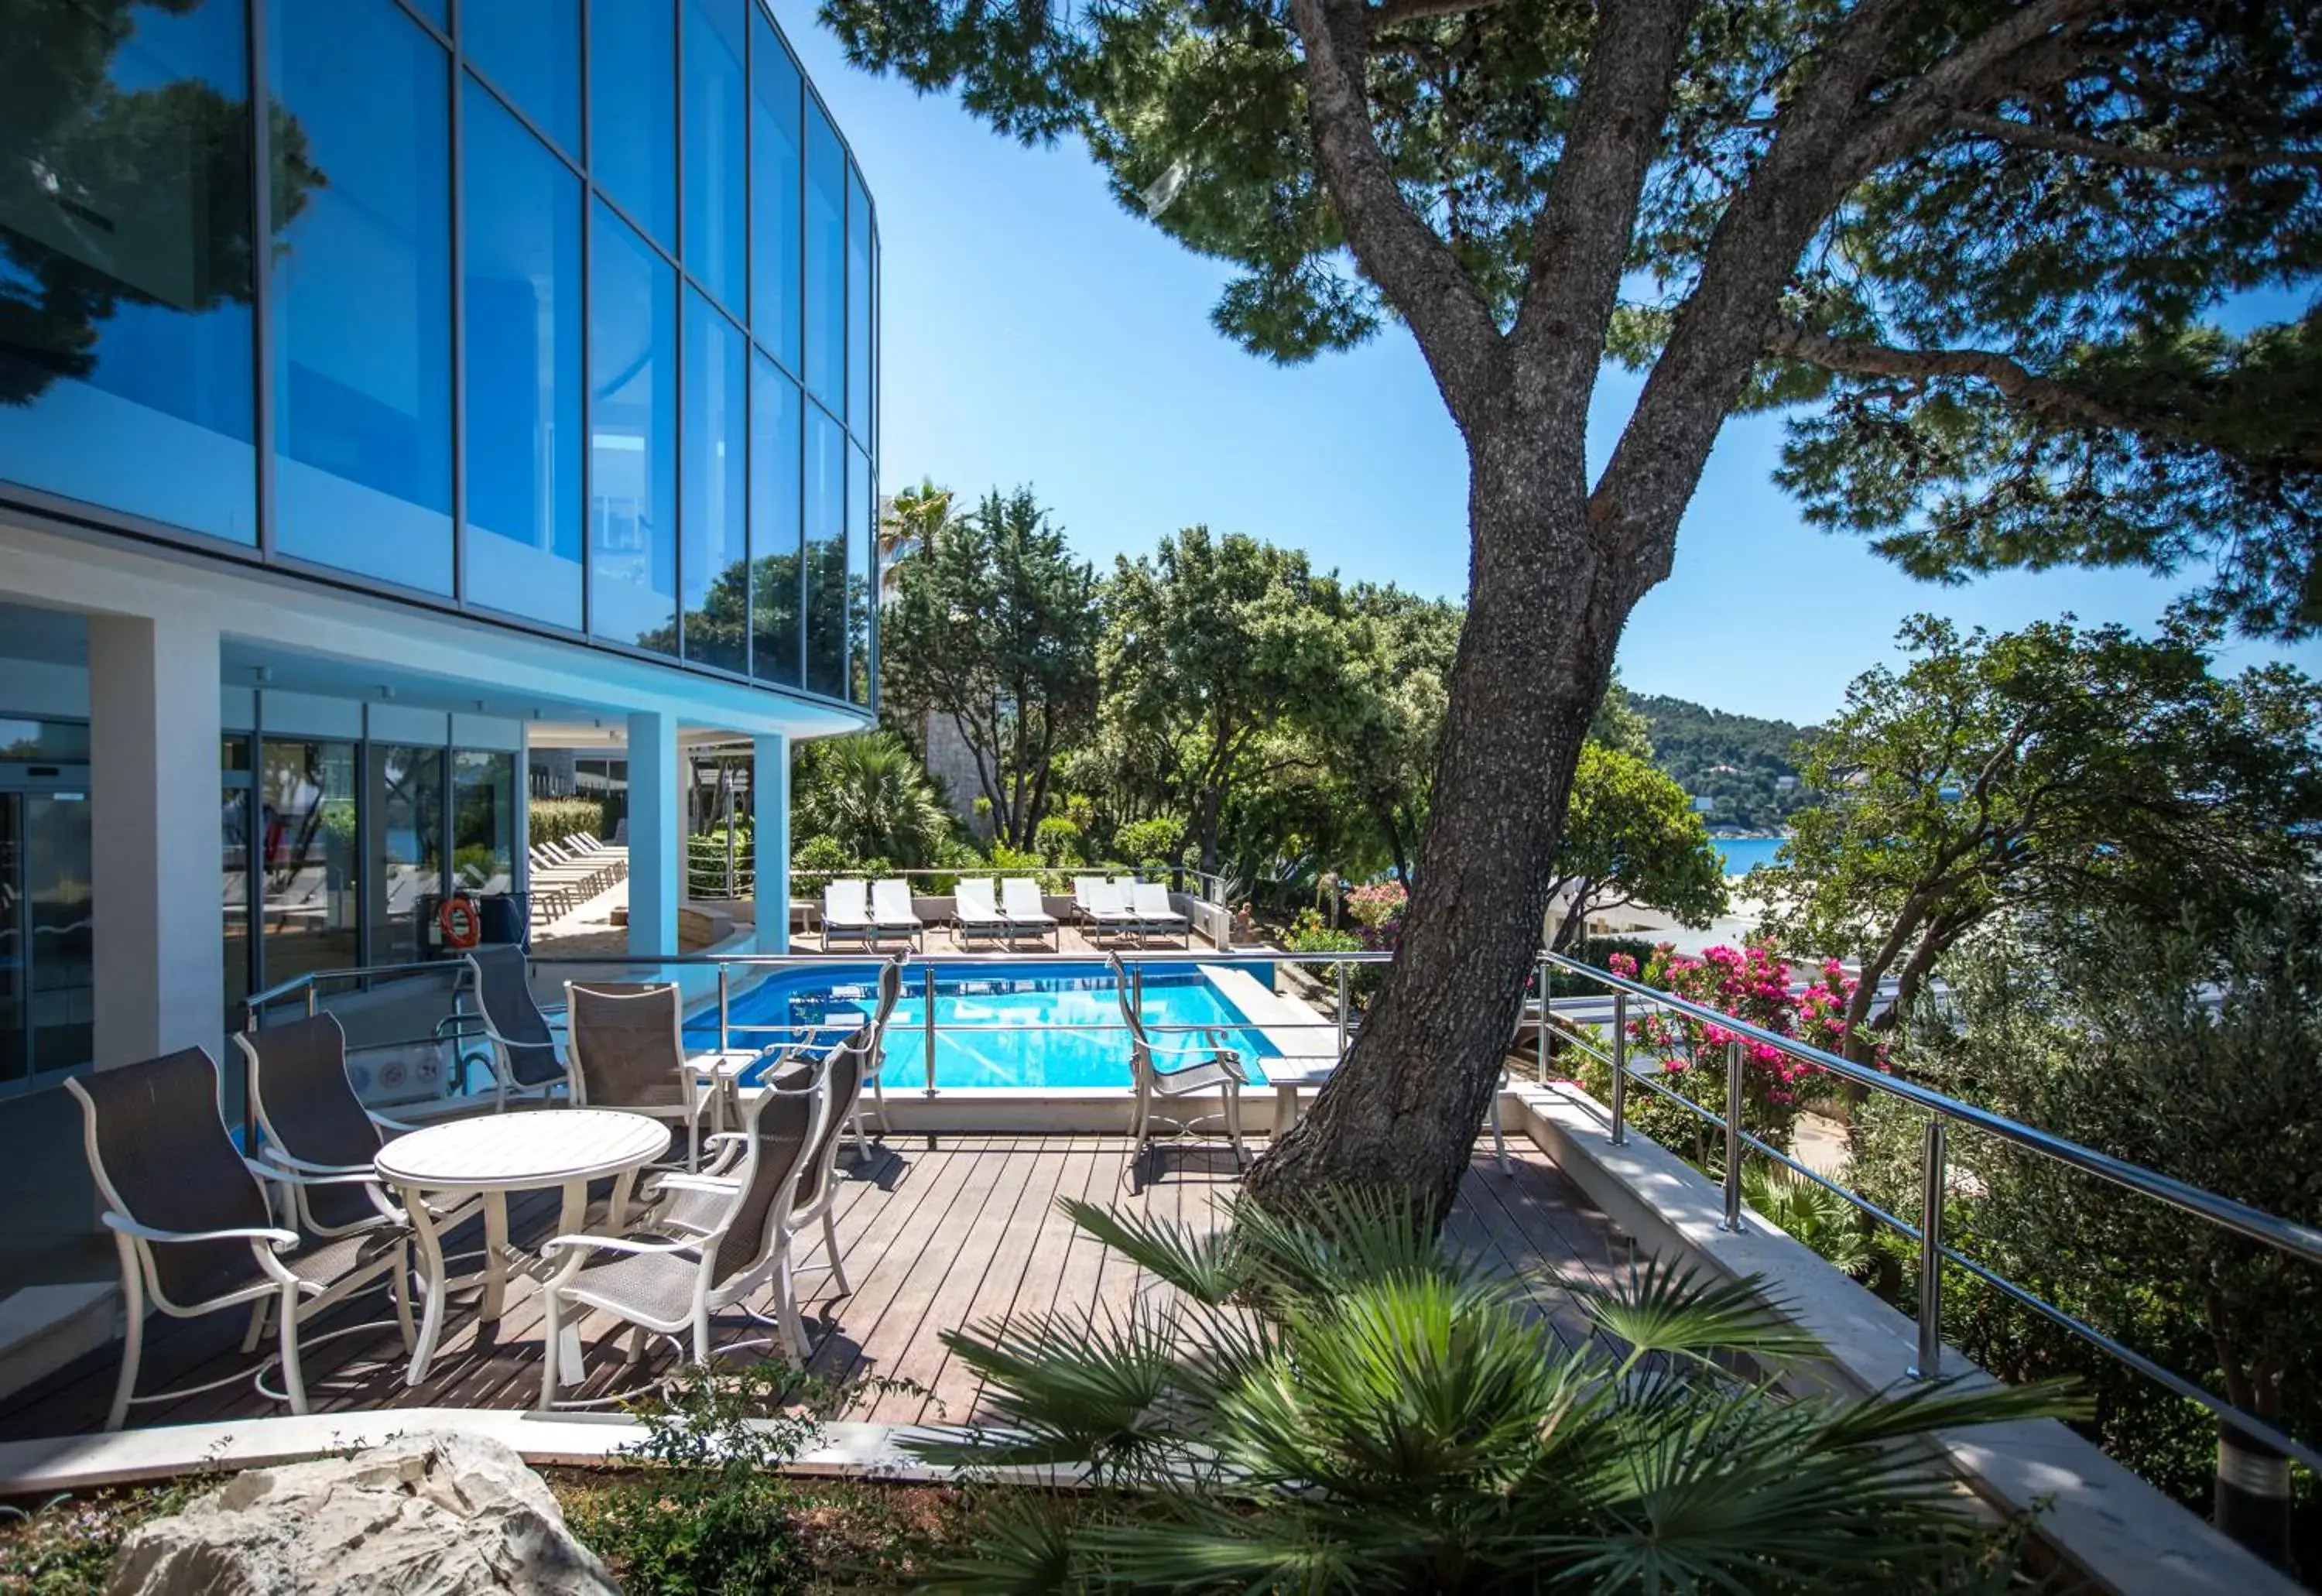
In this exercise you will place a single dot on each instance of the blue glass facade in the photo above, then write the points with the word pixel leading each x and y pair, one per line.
pixel 558 312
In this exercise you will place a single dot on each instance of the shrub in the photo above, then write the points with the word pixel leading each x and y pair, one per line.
pixel 1373 906
pixel 551 820
pixel 1156 842
pixel 1058 841
pixel 815 863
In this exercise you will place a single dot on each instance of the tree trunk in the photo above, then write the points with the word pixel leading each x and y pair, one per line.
pixel 1544 617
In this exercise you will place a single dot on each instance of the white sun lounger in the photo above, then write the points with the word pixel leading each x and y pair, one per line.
pixel 891 910
pixel 1020 901
pixel 1102 905
pixel 845 912
pixel 974 913
pixel 1150 902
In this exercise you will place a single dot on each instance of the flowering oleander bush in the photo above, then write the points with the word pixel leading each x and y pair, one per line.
pixel 1375 906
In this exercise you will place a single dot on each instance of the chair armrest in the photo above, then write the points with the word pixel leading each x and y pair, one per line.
pixel 279 1240
pixel 384 1123
pixel 614 1243
pixel 689 1182
pixel 463 1025
pixel 1225 1058
pixel 274 1164
pixel 285 1177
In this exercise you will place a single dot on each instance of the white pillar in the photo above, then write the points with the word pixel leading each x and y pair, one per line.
pixel 656 834
pixel 769 840
pixel 159 936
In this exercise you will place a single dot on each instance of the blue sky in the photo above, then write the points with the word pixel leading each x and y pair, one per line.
pixel 1035 332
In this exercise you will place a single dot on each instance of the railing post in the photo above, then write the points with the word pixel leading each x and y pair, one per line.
pixel 1932 1181
pixel 1540 1029
pixel 930 1027
pixel 313 1004
pixel 724 1011
pixel 1733 1137
pixel 1620 1069
pixel 1342 1010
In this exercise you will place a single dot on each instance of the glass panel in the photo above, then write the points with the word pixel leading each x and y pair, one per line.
pixel 878 298
pixel 124 261
pixel 858 308
pixel 233 860
pixel 57 908
pixel 633 111
pixel 826 553
pixel 433 11
pixel 44 742
pixel 773 523
pixel 775 303
pixel 362 294
pixel 716 205
pixel 14 970
pixel 826 259
pixel 406 798
pixel 523 374
pixel 714 555
pixel 861 525
pixel 632 439
pixel 530 51
pixel 307 848
pixel 483 821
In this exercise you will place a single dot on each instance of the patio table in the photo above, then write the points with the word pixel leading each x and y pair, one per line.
pixel 1286 1075
pixel 496 1154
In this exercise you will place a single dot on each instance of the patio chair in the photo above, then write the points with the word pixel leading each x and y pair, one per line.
pixel 626 1048
pixel 673 1283
pixel 973 911
pixel 191 1222
pixel 525 1063
pixel 1166 1071
pixel 311 1123
pixel 1101 908
pixel 891 911
pixel 845 909
pixel 1021 904
pixel 1150 903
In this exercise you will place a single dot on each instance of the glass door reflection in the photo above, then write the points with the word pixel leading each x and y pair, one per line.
pixel 309 849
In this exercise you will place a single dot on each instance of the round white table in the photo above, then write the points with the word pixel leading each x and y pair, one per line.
pixel 494 1155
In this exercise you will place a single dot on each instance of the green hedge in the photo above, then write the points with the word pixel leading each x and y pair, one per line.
pixel 554 819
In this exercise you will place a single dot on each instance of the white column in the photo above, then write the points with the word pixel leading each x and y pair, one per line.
pixel 770 839
pixel 656 834
pixel 159 936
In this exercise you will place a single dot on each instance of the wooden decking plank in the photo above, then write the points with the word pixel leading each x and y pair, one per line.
pixel 1003 1277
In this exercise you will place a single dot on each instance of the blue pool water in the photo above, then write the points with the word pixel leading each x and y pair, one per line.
pixel 985 1020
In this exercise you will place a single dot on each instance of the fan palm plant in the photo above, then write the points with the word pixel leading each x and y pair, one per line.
pixel 1339 1403
pixel 870 793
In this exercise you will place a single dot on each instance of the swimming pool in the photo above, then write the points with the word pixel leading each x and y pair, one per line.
pixel 986 1017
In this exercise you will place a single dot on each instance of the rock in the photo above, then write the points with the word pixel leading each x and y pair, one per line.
pixel 424 1515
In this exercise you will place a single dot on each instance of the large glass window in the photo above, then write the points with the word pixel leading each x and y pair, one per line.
pixel 862 526
pixel 523 372
pixel 858 307
pixel 774 552
pixel 632 439
pixel 124 261
pixel 308 850
pixel 363 294
pixel 714 560
pixel 826 260
pixel 826 553
pixel 633 111
pixel 530 51
pixel 406 805
pixel 774 292
pixel 717 203
pixel 483 821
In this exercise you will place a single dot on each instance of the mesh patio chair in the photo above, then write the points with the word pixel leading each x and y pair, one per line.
pixel 749 1072
pixel 673 1283
pixel 191 1221
pixel 310 1122
pixel 525 1060
pixel 626 1047
pixel 1164 1071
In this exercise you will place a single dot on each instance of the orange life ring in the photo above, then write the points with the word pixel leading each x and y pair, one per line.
pixel 463 925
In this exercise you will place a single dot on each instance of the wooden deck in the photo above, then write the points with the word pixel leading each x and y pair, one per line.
pixel 937 1233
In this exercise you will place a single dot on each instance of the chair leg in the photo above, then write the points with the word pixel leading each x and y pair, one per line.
pixel 132 1340
pixel 1233 1126
pixel 830 1246
pixel 399 1282
pixel 293 1382
pixel 793 1322
pixel 702 1334
pixel 257 1331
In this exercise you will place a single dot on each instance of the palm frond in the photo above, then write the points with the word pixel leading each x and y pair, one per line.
pixel 1677 1310
pixel 1919 1407
pixel 1023 1548
pixel 1339 1238
pixel 1205 1265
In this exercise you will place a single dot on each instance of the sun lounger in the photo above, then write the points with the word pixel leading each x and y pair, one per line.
pixel 891 910
pixel 1020 901
pixel 973 911
pixel 1150 902
pixel 847 912
pixel 1102 907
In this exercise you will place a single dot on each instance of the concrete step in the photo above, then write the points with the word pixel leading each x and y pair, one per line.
pixel 44 1327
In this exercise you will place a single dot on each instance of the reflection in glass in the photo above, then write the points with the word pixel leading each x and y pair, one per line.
pixel 774 523
pixel 530 51
pixel 826 553
pixel 407 798
pixel 862 526
pixel 234 863
pixel 826 260
pixel 307 850
pixel 362 296
pixel 523 372
pixel 124 260
pixel 632 439
pixel 858 307
pixel 483 821
pixel 716 205
pixel 45 992
pixel 773 193
pixel 713 559
pixel 633 111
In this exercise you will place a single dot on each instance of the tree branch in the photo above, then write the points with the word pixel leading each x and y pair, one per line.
pixel 2008 131
pixel 1387 14
pixel 2045 397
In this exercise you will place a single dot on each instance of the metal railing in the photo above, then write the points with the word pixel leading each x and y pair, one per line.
pixel 1630 999
pixel 2299 1241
